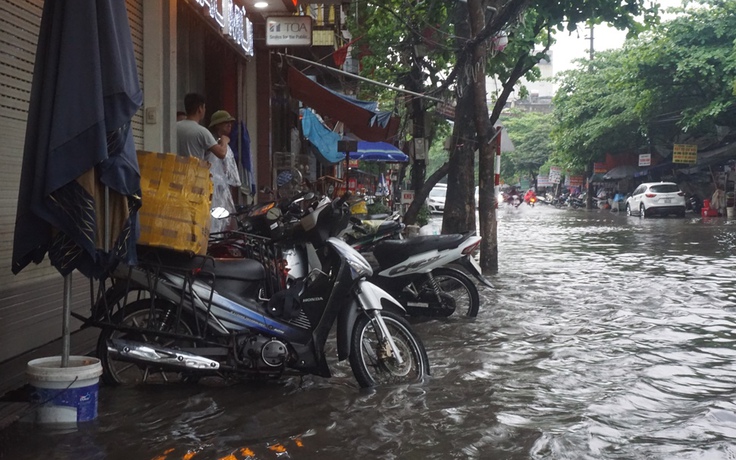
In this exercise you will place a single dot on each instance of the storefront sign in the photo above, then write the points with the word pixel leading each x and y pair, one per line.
pixel 576 181
pixel 685 153
pixel 555 174
pixel 323 38
pixel 233 22
pixel 543 181
pixel 407 196
pixel 645 159
pixel 599 168
pixel 289 31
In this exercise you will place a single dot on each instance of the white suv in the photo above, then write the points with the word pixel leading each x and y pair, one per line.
pixel 436 198
pixel 652 198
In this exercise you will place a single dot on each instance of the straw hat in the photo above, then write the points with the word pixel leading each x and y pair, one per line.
pixel 221 116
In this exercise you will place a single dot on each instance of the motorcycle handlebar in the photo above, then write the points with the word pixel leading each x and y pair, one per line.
pixel 340 201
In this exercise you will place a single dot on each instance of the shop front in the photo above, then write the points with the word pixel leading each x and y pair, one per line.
pixel 187 48
pixel 215 50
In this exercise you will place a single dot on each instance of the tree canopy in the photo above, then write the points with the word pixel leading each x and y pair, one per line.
pixel 675 82
pixel 446 48
pixel 530 134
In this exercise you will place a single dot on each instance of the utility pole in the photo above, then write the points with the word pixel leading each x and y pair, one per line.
pixel 590 168
pixel 592 50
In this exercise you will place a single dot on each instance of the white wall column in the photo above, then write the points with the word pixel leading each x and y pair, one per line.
pixel 159 75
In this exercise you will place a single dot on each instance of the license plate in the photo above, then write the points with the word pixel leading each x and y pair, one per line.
pixel 667 200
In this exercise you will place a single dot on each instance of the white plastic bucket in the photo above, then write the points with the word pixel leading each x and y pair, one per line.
pixel 64 394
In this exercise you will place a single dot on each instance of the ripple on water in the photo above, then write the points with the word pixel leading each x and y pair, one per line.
pixel 606 337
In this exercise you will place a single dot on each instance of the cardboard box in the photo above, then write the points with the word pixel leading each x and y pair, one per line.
pixel 177 196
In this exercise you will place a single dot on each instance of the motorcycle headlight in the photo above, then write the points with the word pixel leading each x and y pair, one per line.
pixel 359 267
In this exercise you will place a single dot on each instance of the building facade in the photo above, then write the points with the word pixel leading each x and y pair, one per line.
pixel 180 47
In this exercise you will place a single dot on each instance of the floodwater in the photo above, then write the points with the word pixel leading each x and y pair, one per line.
pixel 607 337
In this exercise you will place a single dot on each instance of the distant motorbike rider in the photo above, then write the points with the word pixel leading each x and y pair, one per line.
pixel 530 197
pixel 514 197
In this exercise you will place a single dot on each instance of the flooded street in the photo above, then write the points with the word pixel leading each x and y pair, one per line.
pixel 607 337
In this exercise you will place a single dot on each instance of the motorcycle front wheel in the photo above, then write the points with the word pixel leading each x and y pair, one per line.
pixel 372 359
pixel 145 318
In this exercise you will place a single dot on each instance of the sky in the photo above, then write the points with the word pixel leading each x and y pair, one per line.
pixel 577 45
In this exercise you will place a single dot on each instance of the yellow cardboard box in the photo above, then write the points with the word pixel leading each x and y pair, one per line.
pixel 177 195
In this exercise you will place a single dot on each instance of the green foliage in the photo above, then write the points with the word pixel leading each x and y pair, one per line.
pixel 437 155
pixel 595 110
pixel 378 208
pixel 530 134
pixel 688 67
pixel 424 215
pixel 673 83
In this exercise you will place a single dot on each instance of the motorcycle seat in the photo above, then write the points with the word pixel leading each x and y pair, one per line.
pixel 239 269
pixel 391 252
pixel 382 226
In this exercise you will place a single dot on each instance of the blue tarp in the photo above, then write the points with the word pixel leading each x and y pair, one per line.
pixel 322 138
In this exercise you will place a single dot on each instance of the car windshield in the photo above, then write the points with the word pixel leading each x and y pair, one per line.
pixel 664 188
pixel 438 192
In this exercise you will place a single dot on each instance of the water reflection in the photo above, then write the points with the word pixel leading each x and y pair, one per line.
pixel 607 337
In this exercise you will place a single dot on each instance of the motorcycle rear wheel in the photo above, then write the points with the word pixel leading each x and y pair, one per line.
pixel 144 315
pixel 462 290
pixel 371 358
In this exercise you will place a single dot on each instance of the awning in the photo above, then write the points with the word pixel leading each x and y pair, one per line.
pixel 378 151
pixel 365 123
pixel 621 172
pixel 595 178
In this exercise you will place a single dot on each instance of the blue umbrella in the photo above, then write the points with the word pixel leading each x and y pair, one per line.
pixel 378 151
pixel 78 141
pixel 79 160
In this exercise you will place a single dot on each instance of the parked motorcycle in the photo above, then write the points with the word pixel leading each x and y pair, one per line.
pixel 364 234
pixel 696 204
pixel 178 318
pixel 575 202
pixel 418 272
pixel 424 289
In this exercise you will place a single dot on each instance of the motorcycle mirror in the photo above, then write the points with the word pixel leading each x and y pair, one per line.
pixel 273 213
pixel 220 213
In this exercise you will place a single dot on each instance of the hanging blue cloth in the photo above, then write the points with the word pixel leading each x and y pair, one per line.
pixel 240 145
pixel 321 137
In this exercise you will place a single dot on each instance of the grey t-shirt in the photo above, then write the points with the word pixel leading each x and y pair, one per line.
pixel 193 139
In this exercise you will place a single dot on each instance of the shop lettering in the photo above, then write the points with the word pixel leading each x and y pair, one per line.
pixel 233 22
pixel 289 31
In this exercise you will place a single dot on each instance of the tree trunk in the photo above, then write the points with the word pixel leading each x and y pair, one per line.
pixel 486 150
pixel 589 196
pixel 459 215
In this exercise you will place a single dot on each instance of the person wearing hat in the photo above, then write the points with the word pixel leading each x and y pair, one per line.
pixel 194 139
pixel 223 169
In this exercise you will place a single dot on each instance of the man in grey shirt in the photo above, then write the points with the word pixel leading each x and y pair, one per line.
pixel 194 139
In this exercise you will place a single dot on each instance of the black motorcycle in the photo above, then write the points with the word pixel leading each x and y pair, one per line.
pixel 174 317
